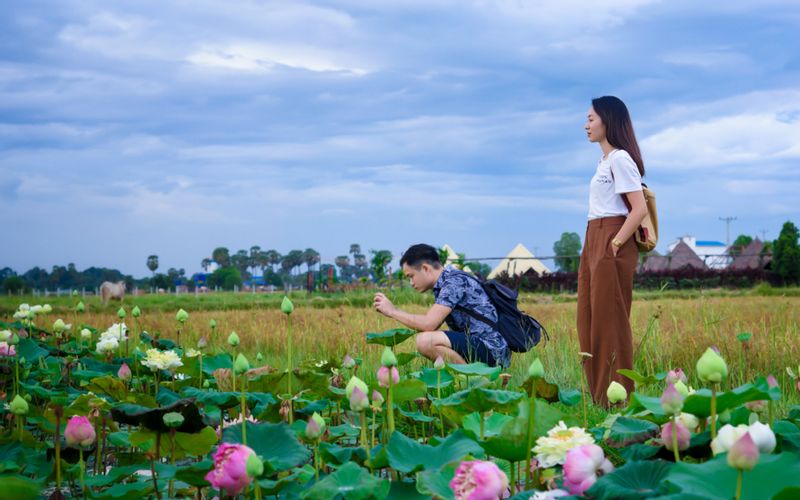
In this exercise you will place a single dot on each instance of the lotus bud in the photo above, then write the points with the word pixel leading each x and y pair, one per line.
pixel 47 309
pixel 383 376
pixel 479 480
pixel 206 384
pixel 233 339
pixel 136 312
pixel 5 335
pixel 315 427
pixel 616 393
pixel 173 419
pixel 202 342
pixel 255 467
pixel 181 316
pixel 59 326
pixel 439 363
pixel 7 351
pixel 388 358
pixel 348 362
pixel 763 436
pixel 121 313
pixel 286 306
pixel 689 421
pixel 79 432
pixel 711 367
pixel 86 334
pixel 675 375
pixel 756 406
pixel 241 364
pixel 124 372
pixel 80 307
pixel 682 389
pixel 358 400
pixel 772 382
pixel 355 382
pixel 212 323
pixel 671 400
pixel 536 369
pixel 18 406
pixel 744 453
pixel 230 471
pixel 684 436
pixel 377 399
pixel 259 357
pixel 74 293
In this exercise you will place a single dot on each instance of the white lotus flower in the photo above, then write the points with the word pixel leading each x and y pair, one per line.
pixel 107 344
pixel 689 421
pixel 86 334
pixel 727 435
pixel 552 449
pixel 161 360
pixel 5 335
pixel 117 330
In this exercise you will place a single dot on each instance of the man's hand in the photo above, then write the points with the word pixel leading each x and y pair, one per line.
pixel 383 305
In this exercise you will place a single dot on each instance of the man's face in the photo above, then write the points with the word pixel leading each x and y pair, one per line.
pixel 422 278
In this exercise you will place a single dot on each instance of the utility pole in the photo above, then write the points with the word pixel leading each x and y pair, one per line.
pixel 727 221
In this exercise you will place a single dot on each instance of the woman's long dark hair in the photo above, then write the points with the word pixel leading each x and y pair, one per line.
pixel 619 128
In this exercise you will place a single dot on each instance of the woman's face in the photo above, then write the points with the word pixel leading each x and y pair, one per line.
pixel 595 130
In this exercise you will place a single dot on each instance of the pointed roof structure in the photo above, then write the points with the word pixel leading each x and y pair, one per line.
pixel 751 257
pixel 679 257
pixel 452 258
pixel 518 261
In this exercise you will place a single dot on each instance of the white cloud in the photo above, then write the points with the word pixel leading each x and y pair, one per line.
pixel 260 57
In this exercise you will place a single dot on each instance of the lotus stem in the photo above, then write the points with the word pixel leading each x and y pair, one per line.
pixel 364 442
pixel 389 409
pixel 83 471
pixel 531 421
pixel 57 444
pixel 713 410
pixel 289 365
pixel 244 417
pixel 739 484
pixel 439 397
pixel 675 438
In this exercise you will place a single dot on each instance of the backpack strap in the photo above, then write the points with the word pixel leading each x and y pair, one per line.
pixel 469 312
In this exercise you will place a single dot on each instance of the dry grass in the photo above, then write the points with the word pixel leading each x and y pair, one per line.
pixel 668 333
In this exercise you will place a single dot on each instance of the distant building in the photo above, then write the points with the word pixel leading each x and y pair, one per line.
pixel 680 256
pixel 752 257
pixel 714 254
pixel 519 261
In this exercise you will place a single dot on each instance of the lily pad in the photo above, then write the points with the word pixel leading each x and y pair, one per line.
pixel 276 443
pixel 476 369
pixel 350 482
pixel 477 399
pixel 634 480
pixel 432 380
pixel 390 337
pixel 152 418
pixel 407 455
pixel 626 431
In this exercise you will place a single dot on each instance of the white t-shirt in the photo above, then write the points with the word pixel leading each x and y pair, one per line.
pixel 605 189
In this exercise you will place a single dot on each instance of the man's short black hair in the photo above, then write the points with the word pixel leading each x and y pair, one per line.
pixel 419 254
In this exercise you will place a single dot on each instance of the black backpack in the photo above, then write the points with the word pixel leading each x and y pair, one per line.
pixel 520 330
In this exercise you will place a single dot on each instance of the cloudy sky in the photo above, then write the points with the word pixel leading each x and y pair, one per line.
pixel 132 128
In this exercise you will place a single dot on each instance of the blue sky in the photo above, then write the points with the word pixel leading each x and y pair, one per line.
pixel 137 127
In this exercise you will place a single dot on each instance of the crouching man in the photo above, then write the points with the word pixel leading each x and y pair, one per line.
pixel 466 339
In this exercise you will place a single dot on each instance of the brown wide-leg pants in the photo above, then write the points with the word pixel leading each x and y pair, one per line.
pixel 605 292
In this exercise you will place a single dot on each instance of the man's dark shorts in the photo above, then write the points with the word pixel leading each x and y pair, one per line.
pixel 470 348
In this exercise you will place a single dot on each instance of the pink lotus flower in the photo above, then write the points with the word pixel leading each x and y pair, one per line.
pixel 358 400
pixel 671 400
pixel 684 436
pixel 383 376
pixel 583 465
pixel 79 432
pixel 744 453
pixel 230 468
pixel 772 381
pixel 124 372
pixel 479 480
pixel 7 351
pixel 675 375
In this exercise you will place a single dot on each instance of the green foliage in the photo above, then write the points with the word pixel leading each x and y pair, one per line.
pixel 786 257
pixel 406 455
pixel 567 251
pixel 13 284
pixel 226 278
pixel 632 481
pixel 739 243
pixel 380 259
pixel 350 482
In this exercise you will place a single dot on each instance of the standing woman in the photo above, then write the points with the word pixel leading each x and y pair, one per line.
pixel 608 261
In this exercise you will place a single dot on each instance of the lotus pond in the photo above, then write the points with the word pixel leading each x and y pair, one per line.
pixel 114 411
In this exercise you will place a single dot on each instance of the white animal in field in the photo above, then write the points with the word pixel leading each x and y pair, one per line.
pixel 109 290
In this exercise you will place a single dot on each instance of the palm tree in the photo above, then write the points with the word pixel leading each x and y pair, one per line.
pixel 355 249
pixel 241 261
pixel 255 251
pixel 310 257
pixel 343 263
pixel 205 264
pixel 221 256
pixel 152 263
pixel 272 258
